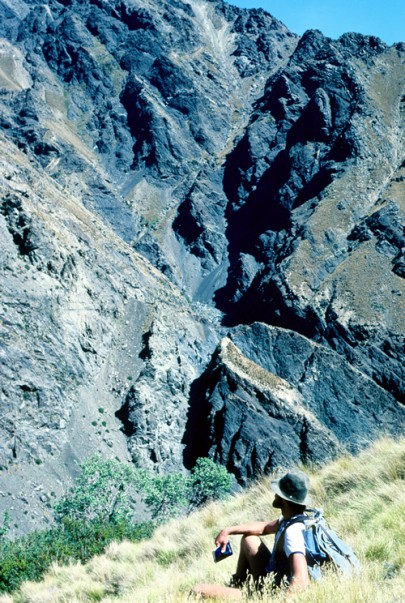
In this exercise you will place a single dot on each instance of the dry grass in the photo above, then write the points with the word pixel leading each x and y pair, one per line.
pixel 364 499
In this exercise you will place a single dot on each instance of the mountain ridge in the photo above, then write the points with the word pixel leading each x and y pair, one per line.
pixel 174 174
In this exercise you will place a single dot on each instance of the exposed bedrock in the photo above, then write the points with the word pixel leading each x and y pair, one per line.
pixel 315 219
pixel 176 349
pixel 271 397
pixel 201 237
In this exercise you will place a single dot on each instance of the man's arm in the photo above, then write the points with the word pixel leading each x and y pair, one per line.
pixel 255 528
pixel 299 572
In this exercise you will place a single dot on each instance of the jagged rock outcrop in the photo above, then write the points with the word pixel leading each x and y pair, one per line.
pixel 201 234
pixel 155 409
pixel 251 420
pixel 271 397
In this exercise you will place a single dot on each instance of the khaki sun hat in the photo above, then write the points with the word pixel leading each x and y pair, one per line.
pixel 293 486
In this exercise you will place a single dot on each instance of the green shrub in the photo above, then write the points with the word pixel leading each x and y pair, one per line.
pixel 4 528
pixel 108 490
pixel 173 494
pixel 29 557
pixel 165 495
pixel 103 492
pixel 208 481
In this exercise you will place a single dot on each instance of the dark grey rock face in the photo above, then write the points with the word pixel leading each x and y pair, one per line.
pixel 201 236
pixel 277 398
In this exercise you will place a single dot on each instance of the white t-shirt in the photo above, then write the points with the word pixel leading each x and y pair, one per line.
pixel 294 542
pixel 294 538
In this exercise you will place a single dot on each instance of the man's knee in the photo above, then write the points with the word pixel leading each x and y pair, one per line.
pixel 250 544
pixel 256 555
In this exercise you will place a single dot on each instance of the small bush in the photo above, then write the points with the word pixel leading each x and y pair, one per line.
pixel 107 490
pixel 173 494
pixel 208 481
pixel 102 492
pixel 29 557
pixel 4 528
pixel 165 495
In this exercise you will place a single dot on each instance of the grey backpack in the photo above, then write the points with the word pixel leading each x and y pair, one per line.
pixel 322 545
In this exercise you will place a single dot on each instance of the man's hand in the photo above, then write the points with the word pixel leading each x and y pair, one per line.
pixel 222 539
pixel 255 528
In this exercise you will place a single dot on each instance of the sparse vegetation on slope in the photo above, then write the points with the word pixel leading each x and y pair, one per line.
pixel 100 507
pixel 363 498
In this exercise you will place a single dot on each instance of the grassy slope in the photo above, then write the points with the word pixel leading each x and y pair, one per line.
pixel 363 498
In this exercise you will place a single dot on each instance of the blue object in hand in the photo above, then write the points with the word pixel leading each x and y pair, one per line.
pixel 218 555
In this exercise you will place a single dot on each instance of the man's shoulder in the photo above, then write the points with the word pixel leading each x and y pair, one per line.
pixel 295 528
pixel 295 520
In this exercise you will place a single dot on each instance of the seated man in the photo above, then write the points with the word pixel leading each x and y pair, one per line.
pixel 287 561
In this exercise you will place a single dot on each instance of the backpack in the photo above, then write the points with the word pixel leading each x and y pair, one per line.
pixel 322 545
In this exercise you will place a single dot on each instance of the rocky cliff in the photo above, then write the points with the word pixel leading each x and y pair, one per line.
pixel 201 240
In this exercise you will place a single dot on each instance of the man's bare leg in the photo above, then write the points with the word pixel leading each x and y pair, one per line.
pixel 253 559
pixel 217 591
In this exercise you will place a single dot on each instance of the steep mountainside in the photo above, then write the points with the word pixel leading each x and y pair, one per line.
pixel 201 240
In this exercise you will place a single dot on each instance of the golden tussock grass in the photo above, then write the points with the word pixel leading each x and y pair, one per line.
pixel 364 501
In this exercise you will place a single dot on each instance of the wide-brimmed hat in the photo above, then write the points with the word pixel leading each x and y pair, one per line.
pixel 293 486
